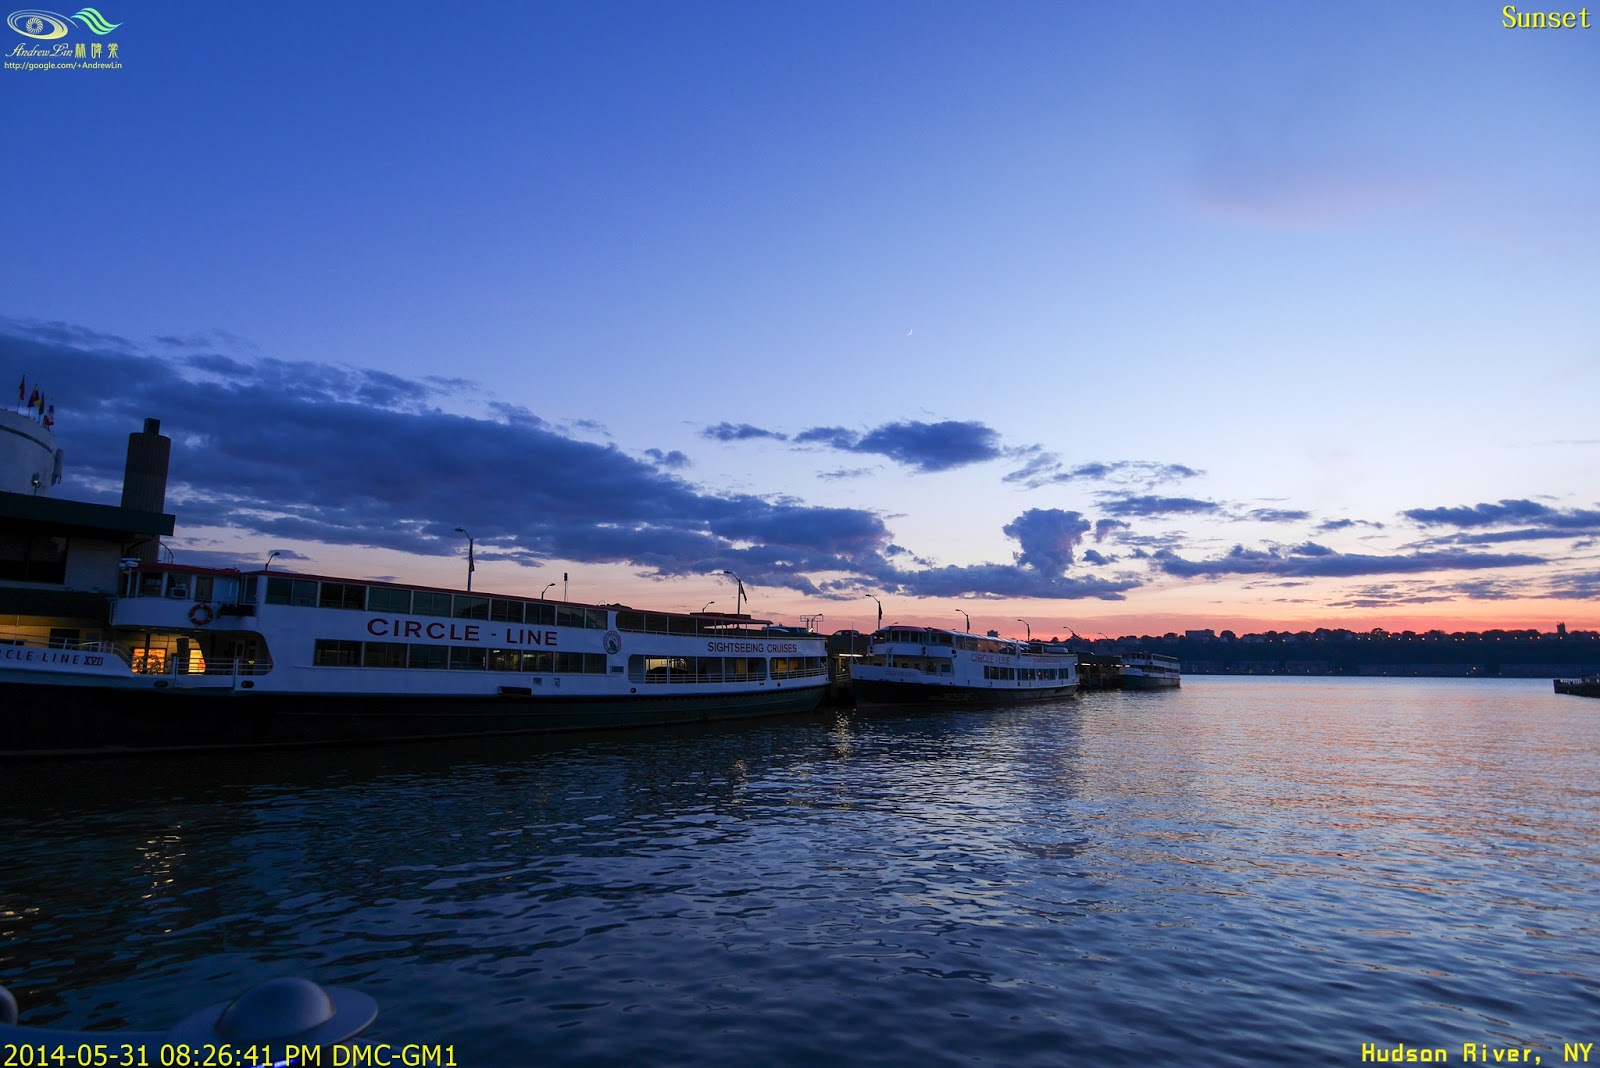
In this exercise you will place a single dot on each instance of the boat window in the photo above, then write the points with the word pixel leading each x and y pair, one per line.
pixel 336 653
pixel 505 611
pixel 299 592
pixel 468 657
pixel 388 599
pixel 504 660
pixel 343 595
pixel 470 607
pixel 384 654
pixel 540 662
pixel 203 586
pixel 425 603
pixel 427 656
pixel 570 616
pixel 540 614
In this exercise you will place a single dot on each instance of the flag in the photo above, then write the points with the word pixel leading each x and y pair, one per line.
pixel 33 401
pixel 746 596
pixel 50 417
pixel 471 564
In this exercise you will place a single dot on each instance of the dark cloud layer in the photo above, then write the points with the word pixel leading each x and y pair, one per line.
pixel 298 452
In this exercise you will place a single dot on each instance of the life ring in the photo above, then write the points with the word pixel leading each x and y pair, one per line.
pixel 201 614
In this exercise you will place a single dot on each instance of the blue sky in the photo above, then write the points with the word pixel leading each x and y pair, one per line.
pixel 1115 318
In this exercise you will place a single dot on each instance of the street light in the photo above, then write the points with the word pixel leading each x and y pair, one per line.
pixel 967 618
pixel 471 563
pixel 708 605
pixel 268 565
pixel 740 595
pixel 545 591
pixel 1024 622
pixel 880 612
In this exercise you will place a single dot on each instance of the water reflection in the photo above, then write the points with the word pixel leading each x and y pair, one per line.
pixel 1283 861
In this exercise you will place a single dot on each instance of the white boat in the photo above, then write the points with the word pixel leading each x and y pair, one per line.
pixel 921 664
pixel 1150 671
pixel 103 648
pixel 196 657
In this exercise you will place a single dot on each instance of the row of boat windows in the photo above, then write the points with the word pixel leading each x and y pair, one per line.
pixel 686 669
pixel 969 642
pixel 309 593
pixel 1028 674
pixel 330 653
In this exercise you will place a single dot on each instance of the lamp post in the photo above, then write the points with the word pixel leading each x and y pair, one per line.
pixel 880 612
pixel 471 563
pixel 967 618
pixel 545 591
pixel 740 594
pixel 268 565
pixel 708 605
pixel 1024 622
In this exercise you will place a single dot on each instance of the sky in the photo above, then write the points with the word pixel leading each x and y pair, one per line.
pixel 1104 319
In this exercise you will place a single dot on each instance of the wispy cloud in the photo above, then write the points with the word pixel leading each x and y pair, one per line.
pixel 1043 468
pixel 1311 560
pixel 740 432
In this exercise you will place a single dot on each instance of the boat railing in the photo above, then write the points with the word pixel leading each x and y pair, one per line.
pixel 13 637
pixel 215 667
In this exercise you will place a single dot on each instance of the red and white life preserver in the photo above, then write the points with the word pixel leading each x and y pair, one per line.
pixel 201 614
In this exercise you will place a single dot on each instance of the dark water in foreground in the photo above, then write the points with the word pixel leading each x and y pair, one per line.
pixel 1241 872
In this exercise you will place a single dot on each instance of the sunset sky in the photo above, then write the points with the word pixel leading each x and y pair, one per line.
pixel 1116 318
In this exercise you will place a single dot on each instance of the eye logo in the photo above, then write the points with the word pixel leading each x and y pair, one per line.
pixel 48 26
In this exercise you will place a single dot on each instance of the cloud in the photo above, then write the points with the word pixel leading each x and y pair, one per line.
pixel 1103 527
pixel 1311 560
pixel 1045 468
pixel 674 460
pixel 1346 524
pixel 844 473
pixel 740 432
pixel 1047 537
pixel 1277 515
pixel 925 447
pixel 1153 506
pixel 1529 520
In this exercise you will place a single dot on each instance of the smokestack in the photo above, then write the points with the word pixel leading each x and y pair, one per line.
pixel 144 478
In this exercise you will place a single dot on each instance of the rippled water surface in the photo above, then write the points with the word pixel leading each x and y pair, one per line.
pixel 1244 871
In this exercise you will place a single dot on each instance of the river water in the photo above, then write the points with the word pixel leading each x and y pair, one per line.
pixel 1243 871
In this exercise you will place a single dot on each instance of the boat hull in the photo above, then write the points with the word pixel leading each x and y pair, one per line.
pixel 872 692
pixel 1578 687
pixel 82 720
pixel 1150 682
